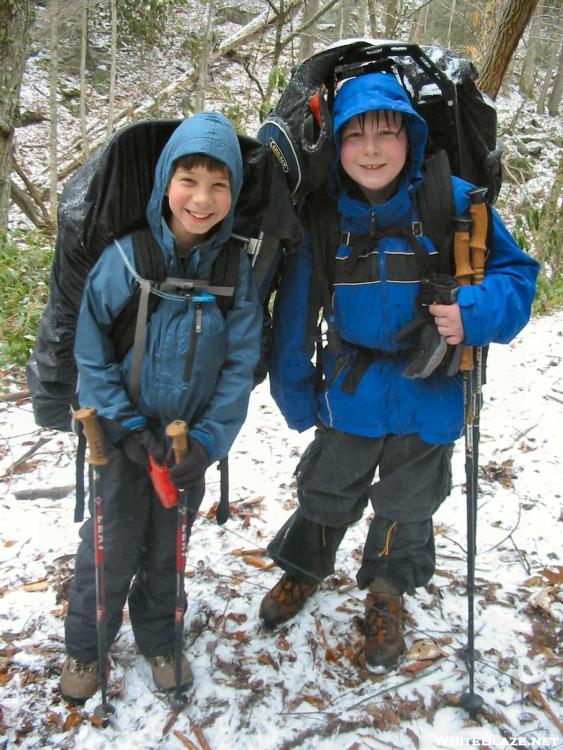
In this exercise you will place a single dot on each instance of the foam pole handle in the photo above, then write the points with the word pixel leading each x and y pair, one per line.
pixel 88 416
pixel 177 431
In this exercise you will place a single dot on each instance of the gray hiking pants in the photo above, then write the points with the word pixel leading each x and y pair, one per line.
pixel 334 485
pixel 140 564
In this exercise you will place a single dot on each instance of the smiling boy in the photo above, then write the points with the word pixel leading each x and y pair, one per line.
pixel 197 366
pixel 370 416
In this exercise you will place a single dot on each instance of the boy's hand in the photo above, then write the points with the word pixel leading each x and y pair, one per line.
pixel 448 322
pixel 190 472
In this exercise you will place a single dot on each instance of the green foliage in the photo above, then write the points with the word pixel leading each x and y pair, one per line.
pixel 537 232
pixel 25 263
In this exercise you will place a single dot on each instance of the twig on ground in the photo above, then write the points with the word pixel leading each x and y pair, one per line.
pixel 52 493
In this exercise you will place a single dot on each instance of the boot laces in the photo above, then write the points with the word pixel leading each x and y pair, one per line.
pixel 80 667
pixel 163 661
pixel 382 616
pixel 290 590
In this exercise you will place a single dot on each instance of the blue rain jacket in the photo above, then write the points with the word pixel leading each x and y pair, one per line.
pixel 374 301
pixel 214 400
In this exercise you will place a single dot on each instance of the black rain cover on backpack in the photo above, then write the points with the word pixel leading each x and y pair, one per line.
pixel 461 120
pixel 107 198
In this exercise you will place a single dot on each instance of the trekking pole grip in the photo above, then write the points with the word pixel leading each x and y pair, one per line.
pixel 177 431
pixel 479 228
pixel 88 416
pixel 464 273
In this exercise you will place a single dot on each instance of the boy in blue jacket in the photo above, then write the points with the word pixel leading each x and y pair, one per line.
pixel 373 416
pixel 197 366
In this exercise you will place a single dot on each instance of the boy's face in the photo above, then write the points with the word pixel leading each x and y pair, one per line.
pixel 199 199
pixel 373 152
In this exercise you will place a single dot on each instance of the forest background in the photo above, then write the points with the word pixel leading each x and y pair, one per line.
pixel 74 72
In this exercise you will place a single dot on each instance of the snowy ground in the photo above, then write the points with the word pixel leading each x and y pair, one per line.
pixel 305 686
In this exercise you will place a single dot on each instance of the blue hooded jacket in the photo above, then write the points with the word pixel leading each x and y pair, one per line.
pixel 374 296
pixel 214 400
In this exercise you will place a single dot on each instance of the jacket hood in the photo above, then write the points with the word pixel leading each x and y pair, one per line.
pixel 382 91
pixel 208 133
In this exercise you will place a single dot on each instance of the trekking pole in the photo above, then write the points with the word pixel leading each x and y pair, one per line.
pixel 97 458
pixel 177 431
pixel 478 249
pixel 470 701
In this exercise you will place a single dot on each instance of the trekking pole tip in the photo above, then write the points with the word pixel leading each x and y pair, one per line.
pixel 178 701
pixel 472 703
pixel 104 712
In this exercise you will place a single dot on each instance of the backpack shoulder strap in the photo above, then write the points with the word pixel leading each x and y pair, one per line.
pixel 436 208
pixel 324 231
pixel 149 263
pixel 225 273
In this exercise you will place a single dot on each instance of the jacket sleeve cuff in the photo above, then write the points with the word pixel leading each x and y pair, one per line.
pixel 207 443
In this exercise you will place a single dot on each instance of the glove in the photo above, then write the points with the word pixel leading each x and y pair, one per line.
pixel 190 472
pixel 138 444
pixel 431 347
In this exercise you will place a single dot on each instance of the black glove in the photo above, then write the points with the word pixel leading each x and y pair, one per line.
pixel 138 444
pixel 431 347
pixel 190 472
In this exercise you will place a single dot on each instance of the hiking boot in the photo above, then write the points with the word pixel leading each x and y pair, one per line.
pixel 164 672
pixel 285 600
pixel 79 680
pixel 383 627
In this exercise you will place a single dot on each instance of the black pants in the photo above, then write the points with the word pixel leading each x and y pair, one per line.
pixel 334 484
pixel 140 564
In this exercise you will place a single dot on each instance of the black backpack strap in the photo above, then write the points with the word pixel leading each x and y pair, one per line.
pixel 225 274
pixel 436 208
pixel 324 228
pixel 80 461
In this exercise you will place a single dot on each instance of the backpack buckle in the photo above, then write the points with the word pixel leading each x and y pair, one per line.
pixel 417 228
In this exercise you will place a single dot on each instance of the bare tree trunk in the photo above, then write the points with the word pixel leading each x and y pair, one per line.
pixel 306 39
pixel 555 97
pixel 83 55
pixel 450 23
pixel 390 18
pixel 547 80
pixel 419 23
pixel 113 67
pixel 339 21
pixel 347 24
pixel 204 61
pixel 15 23
pixel 512 23
pixel 372 12
pixel 528 74
pixel 53 114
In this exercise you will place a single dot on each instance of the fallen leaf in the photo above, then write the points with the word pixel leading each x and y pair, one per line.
pixel 41 585
pixel 542 600
pixel 415 666
pixel 413 737
pixel 74 719
pixel 5 677
pixel 424 649
pixel 553 576
pixel 267 659
pixel 10 543
pixel 52 718
pixel 314 700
